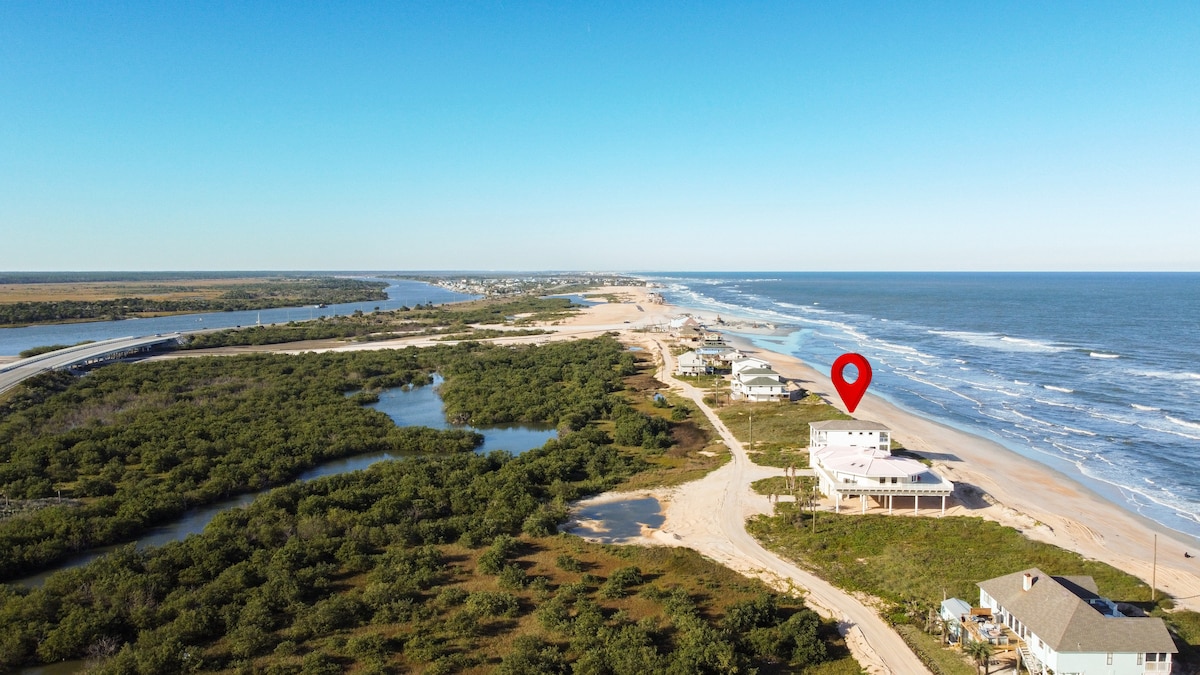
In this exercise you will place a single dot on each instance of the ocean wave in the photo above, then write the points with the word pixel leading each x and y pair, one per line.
pixel 1183 423
pixel 945 389
pixel 1056 404
pixel 1059 389
pixel 1168 431
pixel 1014 394
pixel 1110 418
pixel 1147 408
pixel 1001 342
pixel 1166 374
pixel 1098 355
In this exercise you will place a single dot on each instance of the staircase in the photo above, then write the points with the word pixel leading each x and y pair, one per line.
pixel 1029 661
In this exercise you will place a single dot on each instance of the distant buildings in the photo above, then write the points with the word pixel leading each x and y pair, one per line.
pixel 753 379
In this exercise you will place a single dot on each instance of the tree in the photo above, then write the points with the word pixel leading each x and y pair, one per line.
pixel 981 652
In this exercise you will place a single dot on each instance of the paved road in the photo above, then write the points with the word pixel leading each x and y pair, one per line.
pixel 878 648
pixel 16 372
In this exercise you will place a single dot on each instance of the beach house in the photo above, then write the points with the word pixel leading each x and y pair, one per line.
pixel 740 363
pixel 849 433
pixel 691 363
pixel 1066 627
pixel 759 384
pixel 682 322
pixel 852 458
pixel 713 347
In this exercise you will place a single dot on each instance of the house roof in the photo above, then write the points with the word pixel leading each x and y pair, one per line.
pixel 1057 610
pixel 758 371
pixel 760 382
pixel 847 425
pixel 869 462
pixel 955 607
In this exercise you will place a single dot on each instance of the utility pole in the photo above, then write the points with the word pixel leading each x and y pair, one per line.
pixel 1154 572
pixel 814 509
pixel 751 433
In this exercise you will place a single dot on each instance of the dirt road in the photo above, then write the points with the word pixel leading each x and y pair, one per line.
pixel 722 536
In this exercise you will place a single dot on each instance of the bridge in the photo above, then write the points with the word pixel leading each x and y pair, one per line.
pixel 80 356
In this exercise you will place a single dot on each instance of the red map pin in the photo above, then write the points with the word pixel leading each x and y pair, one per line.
pixel 851 392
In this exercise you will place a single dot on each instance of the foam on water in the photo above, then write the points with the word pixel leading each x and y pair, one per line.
pixel 972 350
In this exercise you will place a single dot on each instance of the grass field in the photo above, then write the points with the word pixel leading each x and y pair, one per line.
pixel 780 429
pixel 916 562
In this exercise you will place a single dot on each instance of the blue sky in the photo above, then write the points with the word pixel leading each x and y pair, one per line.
pixel 616 136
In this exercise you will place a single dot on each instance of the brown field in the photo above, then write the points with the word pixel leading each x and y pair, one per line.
pixel 174 289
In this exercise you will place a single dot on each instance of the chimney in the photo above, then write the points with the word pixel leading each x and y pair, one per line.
pixel 1027 582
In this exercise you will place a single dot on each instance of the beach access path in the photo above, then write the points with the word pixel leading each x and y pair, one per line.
pixel 709 515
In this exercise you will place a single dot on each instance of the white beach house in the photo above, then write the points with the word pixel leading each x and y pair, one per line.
pixel 851 458
pixel 691 363
pixel 740 363
pixel 849 433
pixel 1066 627
pixel 759 384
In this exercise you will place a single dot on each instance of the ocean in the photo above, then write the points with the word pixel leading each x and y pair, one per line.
pixel 1093 374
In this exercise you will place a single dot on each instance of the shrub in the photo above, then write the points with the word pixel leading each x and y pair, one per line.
pixel 568 563
pixel 491 604
pixel 512 577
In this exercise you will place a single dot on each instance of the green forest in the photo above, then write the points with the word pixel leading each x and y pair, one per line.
pixel 142 443
pixel 441 562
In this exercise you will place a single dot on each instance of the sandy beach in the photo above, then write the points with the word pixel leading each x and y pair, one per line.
pixel 1031 497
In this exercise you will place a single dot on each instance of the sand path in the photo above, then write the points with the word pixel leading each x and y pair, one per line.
pixel 709 516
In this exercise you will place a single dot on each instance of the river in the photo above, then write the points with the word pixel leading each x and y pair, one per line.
pixel 401 292
pixel 409 406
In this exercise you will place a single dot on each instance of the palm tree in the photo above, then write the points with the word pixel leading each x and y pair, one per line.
pixel 981 652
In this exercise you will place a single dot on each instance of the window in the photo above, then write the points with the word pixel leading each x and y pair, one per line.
pixel 1139 659
pixel 1109 660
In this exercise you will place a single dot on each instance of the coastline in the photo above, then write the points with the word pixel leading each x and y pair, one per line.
pixel 1019 492
pixel 1013 490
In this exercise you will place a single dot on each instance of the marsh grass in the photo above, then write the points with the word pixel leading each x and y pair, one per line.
pixel 900 558
pixel 919 561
